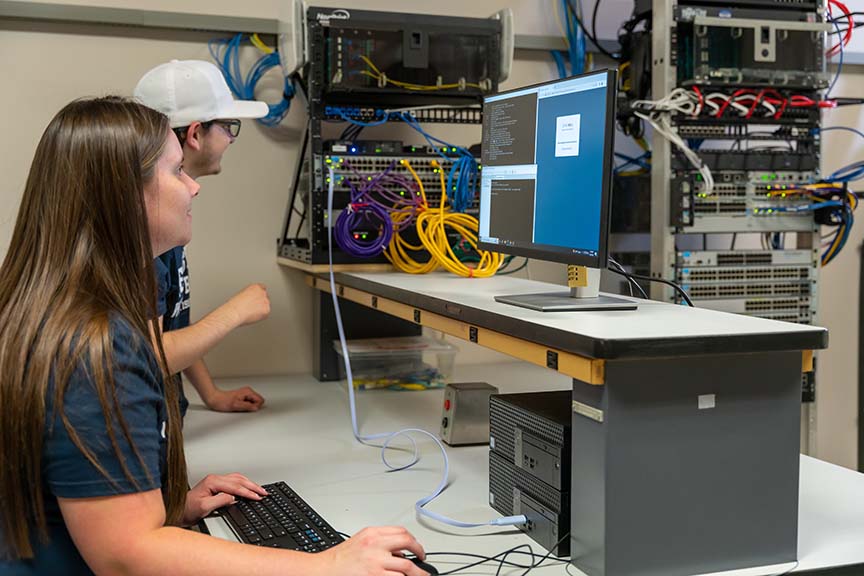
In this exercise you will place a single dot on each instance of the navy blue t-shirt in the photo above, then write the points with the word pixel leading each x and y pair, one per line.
pixel 172 276
pixel 67 473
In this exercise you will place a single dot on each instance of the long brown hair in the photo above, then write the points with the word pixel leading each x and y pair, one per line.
pixel 80 253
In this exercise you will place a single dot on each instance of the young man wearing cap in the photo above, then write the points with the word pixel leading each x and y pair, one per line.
pixel 206 119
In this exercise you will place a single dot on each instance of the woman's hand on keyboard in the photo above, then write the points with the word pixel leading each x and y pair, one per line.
pixel 216 491
pixel 375 552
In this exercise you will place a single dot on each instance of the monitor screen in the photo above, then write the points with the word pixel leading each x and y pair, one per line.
pixel 547 170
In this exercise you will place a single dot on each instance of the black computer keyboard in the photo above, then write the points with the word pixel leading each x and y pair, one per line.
pixel 280 520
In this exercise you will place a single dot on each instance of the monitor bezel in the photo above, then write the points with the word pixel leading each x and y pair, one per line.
pixel 552 255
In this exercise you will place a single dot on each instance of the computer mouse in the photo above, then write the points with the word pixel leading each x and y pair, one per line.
pixel 424 566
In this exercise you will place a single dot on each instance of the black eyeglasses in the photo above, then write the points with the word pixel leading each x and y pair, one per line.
pixel 231 126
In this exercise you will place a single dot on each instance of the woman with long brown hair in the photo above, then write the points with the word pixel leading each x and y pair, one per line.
pixel 92 471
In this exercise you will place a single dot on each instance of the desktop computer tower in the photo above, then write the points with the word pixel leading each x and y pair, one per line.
pixel 529 463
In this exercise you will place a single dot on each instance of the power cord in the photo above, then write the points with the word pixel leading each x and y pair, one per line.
pixel 501 558
pixel 387 438
pixel 630 280
pixel 620 270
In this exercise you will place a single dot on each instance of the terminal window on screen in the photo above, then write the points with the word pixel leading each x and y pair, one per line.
pixel 555 145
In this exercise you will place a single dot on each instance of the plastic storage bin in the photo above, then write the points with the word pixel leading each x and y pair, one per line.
pixel 403 363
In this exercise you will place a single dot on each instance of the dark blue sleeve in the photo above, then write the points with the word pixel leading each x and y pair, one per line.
pixel 68 473
pixel 163 285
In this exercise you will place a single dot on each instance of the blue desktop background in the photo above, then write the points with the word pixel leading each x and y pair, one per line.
pixel 569 189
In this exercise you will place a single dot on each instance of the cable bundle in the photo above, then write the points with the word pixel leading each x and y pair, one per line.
pixel 432 227
pixel 372 206
pixel 847 34
pixel 833 205
pixel 747 103
pixel 226 54
pixel 664 127
pixel 574 38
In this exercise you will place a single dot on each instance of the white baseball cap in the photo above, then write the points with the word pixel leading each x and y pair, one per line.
pixel 193 91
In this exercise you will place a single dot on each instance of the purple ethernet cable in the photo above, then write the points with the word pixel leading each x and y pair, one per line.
pixel 360 214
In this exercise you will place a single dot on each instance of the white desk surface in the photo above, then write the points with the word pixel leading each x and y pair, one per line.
pixel 303 436
pixel 653 321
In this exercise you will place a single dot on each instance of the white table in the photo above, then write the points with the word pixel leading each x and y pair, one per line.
pixel 303 436
pixel 680 414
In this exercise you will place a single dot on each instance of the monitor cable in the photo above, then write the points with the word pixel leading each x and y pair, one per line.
pixel 618 269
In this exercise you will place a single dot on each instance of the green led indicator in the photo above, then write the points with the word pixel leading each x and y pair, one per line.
pixel 329 161
pixel 453 149
pixel 413 149
pixel 402 192
pixel 377 150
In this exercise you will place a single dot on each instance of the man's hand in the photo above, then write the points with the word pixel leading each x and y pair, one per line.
pixel 214 492
pixel 241 400
pixel 250 304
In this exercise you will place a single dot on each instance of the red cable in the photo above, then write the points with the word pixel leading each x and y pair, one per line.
pixel 701 99
pixel 782 102
pixel 755 104
pixel 851 25
pixel 729 101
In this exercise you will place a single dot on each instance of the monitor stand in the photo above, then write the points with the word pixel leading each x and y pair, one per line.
pixel 584 295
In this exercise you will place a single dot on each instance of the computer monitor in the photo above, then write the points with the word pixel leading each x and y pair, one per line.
pixel 547 178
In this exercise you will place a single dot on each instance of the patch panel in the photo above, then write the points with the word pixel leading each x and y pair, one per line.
pixel 747 290
pixel 745 258
pixel 443 115
pixel 798 310
pixel 356 170
pixel 698 275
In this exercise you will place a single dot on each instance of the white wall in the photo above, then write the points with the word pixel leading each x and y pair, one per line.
pixel 238 214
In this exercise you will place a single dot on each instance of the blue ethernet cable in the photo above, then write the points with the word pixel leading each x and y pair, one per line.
pixel 244 88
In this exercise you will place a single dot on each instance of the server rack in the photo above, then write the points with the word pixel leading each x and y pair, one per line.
pixel 772 49
pixel 468 54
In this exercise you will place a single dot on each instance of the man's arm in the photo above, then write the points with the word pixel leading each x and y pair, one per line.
pixel 240 400
pixel 188 345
